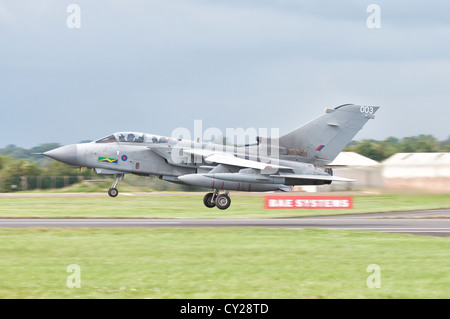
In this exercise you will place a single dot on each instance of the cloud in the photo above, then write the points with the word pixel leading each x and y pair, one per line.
pixel 156 65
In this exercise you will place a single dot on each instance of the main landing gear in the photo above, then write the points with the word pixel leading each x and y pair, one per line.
pixel 221 201
pixel 113 192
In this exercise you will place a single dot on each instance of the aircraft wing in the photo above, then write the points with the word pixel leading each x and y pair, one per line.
pixel 229 159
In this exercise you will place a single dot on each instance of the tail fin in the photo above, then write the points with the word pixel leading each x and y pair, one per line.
pixel 322 139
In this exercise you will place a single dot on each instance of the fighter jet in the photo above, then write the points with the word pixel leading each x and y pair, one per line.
pixel 296 158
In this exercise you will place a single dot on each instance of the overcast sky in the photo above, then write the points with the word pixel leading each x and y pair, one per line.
pixel 154 66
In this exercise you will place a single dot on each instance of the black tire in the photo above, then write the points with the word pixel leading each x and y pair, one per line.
pixel 113 192
pixel 223 201
pixel 207 200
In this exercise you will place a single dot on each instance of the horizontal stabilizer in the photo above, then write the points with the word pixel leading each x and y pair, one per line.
pixel 285 188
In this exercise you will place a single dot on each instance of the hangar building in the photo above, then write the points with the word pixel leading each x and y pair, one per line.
pixel 417 171
pixel 364 170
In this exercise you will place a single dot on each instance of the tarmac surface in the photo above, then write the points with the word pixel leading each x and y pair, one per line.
pixel 423 222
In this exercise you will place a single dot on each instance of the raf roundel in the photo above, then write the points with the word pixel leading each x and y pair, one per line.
pixel 124 158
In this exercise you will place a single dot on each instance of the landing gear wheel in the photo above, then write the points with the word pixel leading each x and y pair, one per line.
pixel 223 201
pixel 113 192
pixel 208 200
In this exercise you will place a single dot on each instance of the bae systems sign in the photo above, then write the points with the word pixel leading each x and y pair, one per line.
pixel 309 202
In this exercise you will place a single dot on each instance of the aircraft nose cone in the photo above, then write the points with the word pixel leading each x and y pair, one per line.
pixel 66 154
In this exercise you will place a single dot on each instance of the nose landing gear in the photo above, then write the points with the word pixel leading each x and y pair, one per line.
pixel 113 192
pixel 221 201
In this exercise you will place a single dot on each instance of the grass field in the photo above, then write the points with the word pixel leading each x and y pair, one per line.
pixel 216 262
pixel 191 206
pixel 221 263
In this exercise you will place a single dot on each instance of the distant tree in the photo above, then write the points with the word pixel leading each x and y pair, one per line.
pixel 14 172
pixel 387 148
pixel 2 162
pixel 392 141
pixel 44 148
pixel 380 150
pixel 370 149
pixel 18 152
pixel 444 146
pixel 419 144
pixel 60 169
pixel 13 151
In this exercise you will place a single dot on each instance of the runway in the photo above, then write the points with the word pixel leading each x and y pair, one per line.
pixel 425 222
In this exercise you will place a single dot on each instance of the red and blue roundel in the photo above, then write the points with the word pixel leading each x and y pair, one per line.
pixel 124 158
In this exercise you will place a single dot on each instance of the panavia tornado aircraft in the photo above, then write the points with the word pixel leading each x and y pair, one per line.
pixel 296 158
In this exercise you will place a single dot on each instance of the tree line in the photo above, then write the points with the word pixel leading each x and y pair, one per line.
pixel 381 150
pixel 20 169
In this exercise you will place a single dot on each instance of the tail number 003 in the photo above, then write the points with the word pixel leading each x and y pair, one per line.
pixel 366 109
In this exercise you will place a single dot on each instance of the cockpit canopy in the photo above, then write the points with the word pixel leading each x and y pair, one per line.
pixel 133 137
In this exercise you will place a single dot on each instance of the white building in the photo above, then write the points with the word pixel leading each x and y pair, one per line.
pixel 417 171
pixel 365 171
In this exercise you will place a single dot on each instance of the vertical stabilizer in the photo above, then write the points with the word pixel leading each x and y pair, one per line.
pixel 322 139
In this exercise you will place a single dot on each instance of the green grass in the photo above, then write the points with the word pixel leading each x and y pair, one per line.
pixel 216 263
pixel 191 206
pixel 221 263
